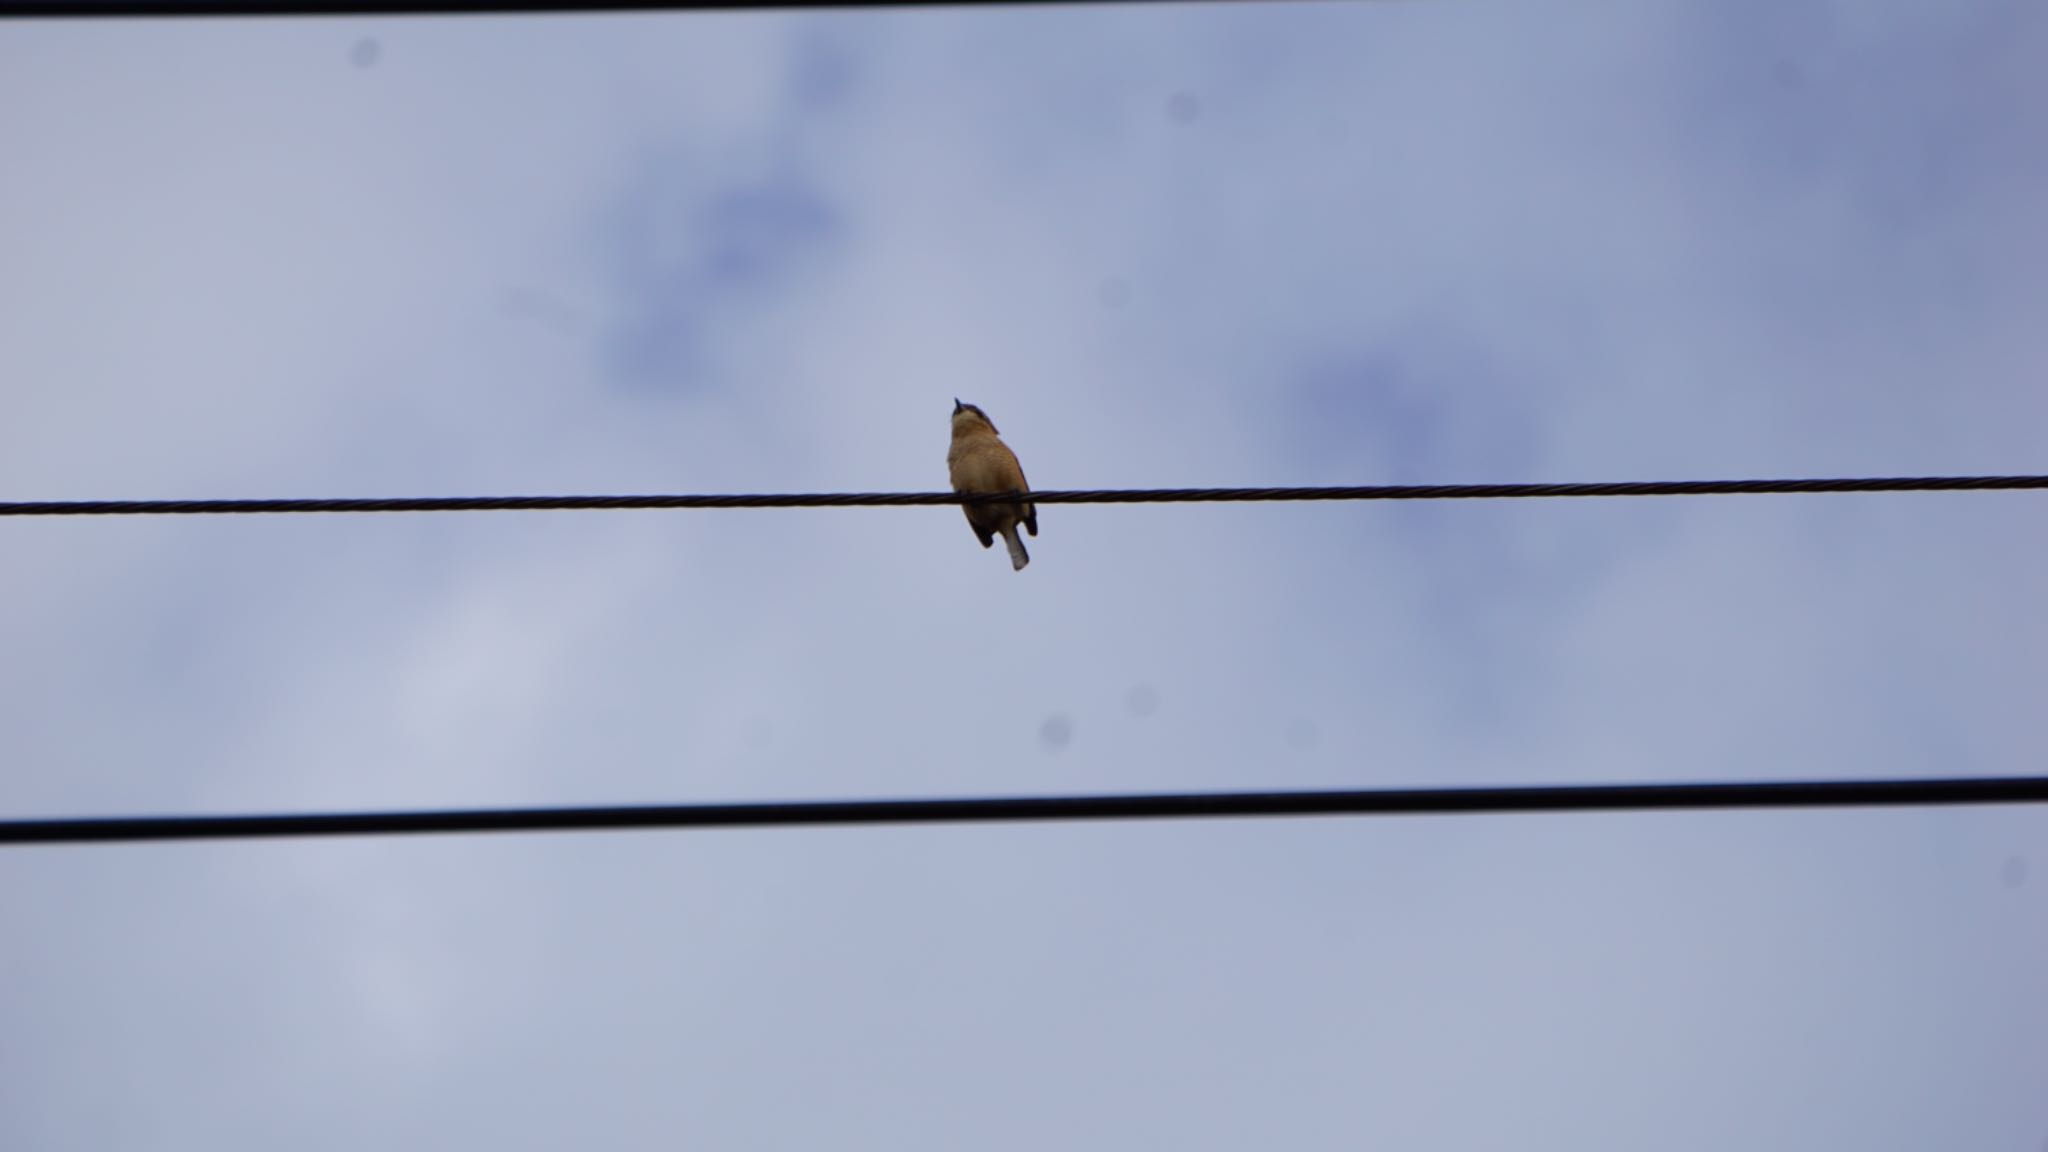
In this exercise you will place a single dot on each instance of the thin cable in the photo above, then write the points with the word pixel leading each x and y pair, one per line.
pixel 1038 809
pixel 1080 496
pixel 101 9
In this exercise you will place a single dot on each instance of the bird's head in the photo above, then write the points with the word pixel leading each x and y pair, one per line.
pixel 967 417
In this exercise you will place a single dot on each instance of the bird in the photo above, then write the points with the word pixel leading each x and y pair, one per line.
pixel 979 461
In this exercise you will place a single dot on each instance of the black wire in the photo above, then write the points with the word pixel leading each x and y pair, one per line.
pixel 1034 809
pixel 1082 496
pixel 78 9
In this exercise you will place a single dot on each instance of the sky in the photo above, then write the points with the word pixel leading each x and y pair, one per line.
pixel 1389 241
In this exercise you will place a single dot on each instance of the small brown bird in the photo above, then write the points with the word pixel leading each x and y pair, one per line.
pixel 980 462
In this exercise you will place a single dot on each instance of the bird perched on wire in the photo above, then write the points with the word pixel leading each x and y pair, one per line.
pixel 980 462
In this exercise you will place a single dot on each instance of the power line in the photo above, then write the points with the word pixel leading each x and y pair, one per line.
pixel 1041 809
pixel 84 9
pixel 1078 496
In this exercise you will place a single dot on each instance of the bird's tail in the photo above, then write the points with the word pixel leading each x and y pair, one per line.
pixel 1018 556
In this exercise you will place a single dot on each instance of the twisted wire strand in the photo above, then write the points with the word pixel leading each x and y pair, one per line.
pixel 1077 496
pixel 1783 794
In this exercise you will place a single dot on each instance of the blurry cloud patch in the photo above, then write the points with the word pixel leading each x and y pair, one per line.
pixel 1142 700
pixel 1057 732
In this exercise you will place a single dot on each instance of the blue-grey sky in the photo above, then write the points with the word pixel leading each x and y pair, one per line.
pixel 1435 240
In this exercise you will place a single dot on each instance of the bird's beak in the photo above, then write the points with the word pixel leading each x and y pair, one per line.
pixel 957 405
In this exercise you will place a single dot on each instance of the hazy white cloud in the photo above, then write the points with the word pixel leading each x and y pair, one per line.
pixel 1285 243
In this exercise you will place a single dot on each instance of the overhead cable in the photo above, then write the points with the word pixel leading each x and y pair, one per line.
pixel 159 9
pixel 1078 496
pixel 1759 794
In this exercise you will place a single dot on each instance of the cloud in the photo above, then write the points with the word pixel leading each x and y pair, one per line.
pixel 1212 245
